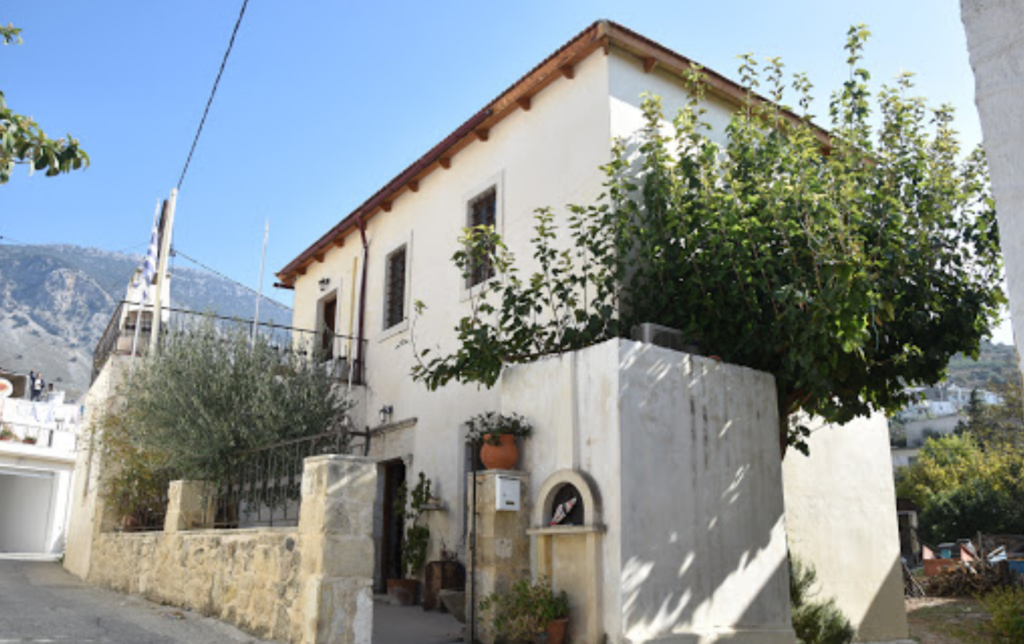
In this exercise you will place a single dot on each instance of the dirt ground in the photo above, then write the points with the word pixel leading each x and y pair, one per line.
pixel 935 620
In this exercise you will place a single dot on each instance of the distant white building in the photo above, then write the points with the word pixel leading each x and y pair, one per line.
pixel 38 443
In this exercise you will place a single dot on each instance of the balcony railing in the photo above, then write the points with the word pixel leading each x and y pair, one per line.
pixel 336 353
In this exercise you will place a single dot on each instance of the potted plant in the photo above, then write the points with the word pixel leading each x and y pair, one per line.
pixel 414 544
pixel 6 434
pixel 496 434
pixel 29 440
pixel 529 612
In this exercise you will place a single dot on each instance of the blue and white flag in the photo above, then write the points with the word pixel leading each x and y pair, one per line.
pixel 149 265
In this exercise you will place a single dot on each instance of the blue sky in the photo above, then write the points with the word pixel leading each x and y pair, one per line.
pixel 323 102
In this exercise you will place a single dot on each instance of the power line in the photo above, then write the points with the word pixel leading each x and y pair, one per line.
pixel 213 93
pixel 176 251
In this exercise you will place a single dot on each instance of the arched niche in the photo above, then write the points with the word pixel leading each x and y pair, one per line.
pixel 546 496
pixel 570 555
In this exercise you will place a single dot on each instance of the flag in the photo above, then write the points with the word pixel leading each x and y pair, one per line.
pixel 149 265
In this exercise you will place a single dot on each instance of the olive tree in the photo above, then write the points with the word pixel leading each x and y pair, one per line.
pixel 848 264
pixel 211 394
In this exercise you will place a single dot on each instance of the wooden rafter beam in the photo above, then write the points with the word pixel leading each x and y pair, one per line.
pixel 414 185
pixel 319 258
pixel 524 103
pixel 339 241
pixel 481 134
pixel 649 64
pixel 446 162
pixel 568 71
pixel 385 206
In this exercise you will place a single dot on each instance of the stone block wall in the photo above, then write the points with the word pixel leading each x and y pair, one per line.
pixel 308 584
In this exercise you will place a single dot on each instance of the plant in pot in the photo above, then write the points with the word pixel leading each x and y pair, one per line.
pixel 6 434
pixel 409 507
pixel 29 440
pixel 496 435
pixel 529 612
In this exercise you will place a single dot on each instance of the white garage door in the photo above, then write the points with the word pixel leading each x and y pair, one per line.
pixel 26 504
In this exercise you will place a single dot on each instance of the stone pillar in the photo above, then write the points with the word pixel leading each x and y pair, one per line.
pixel 502 545
pixel 336 540
pixel 190 506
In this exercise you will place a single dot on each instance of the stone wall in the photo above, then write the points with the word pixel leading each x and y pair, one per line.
pixel 247 577
pixel 308 584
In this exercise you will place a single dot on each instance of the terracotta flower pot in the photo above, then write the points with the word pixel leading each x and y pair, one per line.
pixel 499 457
pixel 556 630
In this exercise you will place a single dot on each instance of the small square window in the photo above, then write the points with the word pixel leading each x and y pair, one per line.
pixel 394 291
pixel 482 212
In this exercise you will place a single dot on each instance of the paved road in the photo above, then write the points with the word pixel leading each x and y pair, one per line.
pixel 40 602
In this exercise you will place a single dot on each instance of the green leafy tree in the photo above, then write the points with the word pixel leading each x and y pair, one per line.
pixel 847 265
pixel 962 487
pixel 211 394
pixel 22 141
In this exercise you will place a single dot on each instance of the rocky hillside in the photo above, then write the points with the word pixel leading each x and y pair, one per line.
pixel 56 301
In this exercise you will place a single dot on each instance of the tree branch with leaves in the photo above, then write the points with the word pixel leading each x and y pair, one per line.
pixel 23 142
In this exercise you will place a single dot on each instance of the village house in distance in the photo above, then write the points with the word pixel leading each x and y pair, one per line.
pixel 685 513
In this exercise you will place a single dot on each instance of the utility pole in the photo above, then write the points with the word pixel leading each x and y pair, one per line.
pixel 166 229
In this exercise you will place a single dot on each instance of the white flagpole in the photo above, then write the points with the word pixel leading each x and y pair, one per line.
pixel 259 287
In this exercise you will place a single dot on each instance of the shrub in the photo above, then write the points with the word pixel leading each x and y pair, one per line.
pixel 526 609
pixel 815 622
pixel 1006 606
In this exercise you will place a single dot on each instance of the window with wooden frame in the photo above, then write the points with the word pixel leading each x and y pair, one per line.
pixel 482 211
pixel 394 288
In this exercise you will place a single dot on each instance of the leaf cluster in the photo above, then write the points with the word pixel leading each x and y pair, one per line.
pixel 526 609
pixel 1006 606
pixel 409 507
pixel 211 394
pixel 962 488
pixel 815 621
pixel 22 141
pixel 489 426
pixel 848 264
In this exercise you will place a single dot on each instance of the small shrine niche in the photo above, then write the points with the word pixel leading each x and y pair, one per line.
pixel 567 547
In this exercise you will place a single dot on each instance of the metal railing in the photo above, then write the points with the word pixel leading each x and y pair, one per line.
pixel 44 437
pixel 336 353
pixel 265 487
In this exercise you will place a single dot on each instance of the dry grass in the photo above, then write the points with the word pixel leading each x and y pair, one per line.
pixel 947 621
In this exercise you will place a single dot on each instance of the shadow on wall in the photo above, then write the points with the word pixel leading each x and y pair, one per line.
pixel 703 536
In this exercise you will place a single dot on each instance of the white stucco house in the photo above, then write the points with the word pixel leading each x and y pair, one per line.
pixel 541 143
pixel 37 462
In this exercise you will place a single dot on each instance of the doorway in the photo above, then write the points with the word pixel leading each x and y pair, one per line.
pixel 392 533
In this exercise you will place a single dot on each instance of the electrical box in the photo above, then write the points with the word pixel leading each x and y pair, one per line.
pixel 507 494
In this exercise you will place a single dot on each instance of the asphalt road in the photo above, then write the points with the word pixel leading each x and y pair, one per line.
pixel 41 602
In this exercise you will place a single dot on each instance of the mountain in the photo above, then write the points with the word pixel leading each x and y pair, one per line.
pixel 56 301
pixel 996 365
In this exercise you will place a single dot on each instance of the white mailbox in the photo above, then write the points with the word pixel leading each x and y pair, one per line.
pixel 506 491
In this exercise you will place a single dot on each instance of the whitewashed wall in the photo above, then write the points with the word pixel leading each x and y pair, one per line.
pixel 841 517
pixel 684 454
pixel 997 56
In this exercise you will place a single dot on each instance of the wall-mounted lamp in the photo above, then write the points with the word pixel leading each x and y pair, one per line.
pixel 385 414
pixel 324 283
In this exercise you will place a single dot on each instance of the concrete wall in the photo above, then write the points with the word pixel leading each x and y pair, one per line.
pixel 841 517
pixel 997 56
pixel 683 454
pixel 87 507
